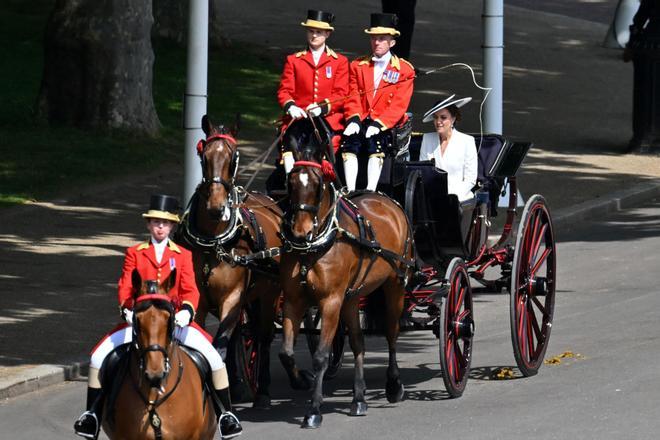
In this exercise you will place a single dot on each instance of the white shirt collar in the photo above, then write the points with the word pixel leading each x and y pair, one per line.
pixel 316 54
pixel 384 60
pixel 159 248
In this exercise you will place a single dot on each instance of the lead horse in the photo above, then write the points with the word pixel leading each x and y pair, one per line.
pixel 233 235
pixel 162 393
pixel 337 250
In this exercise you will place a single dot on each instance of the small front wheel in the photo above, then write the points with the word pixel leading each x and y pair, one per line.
pixel 456 329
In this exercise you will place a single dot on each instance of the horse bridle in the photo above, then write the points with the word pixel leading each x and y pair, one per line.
pixel 312 209
pixel 158 302
pixel 233 167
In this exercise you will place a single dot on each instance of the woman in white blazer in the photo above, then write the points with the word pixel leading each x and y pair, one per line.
pixel 453 151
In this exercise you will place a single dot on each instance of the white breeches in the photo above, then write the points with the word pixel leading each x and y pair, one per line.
pixel 188 336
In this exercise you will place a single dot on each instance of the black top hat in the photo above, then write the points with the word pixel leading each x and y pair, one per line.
pixel 383 24
pixel 163 207
pixel 319 20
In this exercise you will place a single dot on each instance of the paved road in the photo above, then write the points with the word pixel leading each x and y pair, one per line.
pixel 608 311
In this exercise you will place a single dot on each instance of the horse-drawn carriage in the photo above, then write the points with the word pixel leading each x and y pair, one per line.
pixel 419 248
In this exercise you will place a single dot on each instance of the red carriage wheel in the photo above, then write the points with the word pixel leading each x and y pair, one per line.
pixel 456 329
pixel 311 321
pixel 533 279
pixel 244 354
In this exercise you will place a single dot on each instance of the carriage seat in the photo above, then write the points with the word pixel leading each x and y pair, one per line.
pixel 498 159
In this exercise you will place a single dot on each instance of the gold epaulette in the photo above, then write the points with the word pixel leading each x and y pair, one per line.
pixel 173 247
pixel 363 60
pixel 331 53
pixel 301 53
pixel 143 246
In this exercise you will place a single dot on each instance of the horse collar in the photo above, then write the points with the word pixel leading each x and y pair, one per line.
pixel 195 239
pixel 326 236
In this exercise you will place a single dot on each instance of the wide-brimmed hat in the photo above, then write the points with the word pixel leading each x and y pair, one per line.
pixel 383 24
pixel 452 100
pixel 163 207
pixel 319 20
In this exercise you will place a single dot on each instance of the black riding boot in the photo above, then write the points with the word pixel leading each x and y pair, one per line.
pixel 89 423
pixel 228 423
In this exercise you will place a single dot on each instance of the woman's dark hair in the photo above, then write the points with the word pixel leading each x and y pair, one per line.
pixel 455 112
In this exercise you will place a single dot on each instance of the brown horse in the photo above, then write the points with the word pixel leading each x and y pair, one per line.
pixel 233 235
pixel 337 250
pixel 162 394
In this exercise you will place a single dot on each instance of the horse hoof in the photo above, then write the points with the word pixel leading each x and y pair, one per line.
pixel 359 408
pixel 312 421
pixel 261 401
pixel 394 391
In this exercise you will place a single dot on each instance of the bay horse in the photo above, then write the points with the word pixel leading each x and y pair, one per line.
pixel 337 250
pixel 162 392
pixel 233 236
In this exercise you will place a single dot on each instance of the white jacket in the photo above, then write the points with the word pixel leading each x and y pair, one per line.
pixel 459 161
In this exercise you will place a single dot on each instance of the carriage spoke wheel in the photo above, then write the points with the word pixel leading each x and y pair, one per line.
pixel 312 321
pixel 456 329
pixel 533 286
pixel 246 350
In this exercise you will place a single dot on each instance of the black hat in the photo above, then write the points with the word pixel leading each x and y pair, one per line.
pixel 319 20
pixel 163 207
pixel 383 24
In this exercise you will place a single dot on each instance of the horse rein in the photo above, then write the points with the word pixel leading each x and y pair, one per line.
pixel 152 405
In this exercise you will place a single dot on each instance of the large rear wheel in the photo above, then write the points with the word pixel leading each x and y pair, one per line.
pixel 456 329
pixel 533 280
pixel 312 323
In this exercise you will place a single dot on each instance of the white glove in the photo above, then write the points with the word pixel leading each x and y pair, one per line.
pixel 182 318
pixel 371 131
pixel 314 109
pixel 128 315
pixel 296 112
pixel 352 128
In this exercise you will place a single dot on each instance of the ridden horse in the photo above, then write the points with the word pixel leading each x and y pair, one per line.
pixel 232 234
pixel 337 250
pixel 162 394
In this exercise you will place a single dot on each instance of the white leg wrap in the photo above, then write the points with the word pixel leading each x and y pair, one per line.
pixel 109 343
pixel 350 170
pixel 288 159
pixel 191 337
pixel 374 167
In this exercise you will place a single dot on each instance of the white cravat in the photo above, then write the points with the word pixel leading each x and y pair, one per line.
pixel 159 248
pixel 316 54
pixel 379 67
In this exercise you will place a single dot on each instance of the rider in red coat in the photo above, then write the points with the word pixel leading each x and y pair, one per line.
pixel 155 261
pixel 314 81
pixel 381 85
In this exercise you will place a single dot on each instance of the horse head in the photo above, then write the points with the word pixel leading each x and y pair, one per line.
pixel 219 156
pixel 305 181
pixel 153 327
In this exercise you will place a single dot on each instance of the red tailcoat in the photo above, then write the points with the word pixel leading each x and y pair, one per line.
pixel 388 106
pixel 303 83
pixel 143 258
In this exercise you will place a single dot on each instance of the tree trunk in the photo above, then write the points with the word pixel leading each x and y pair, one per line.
pixel 98 66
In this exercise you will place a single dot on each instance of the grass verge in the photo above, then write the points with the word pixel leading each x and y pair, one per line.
pixel 38 162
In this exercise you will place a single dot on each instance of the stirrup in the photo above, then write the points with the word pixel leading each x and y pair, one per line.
pixel 78 425
pixel 229 418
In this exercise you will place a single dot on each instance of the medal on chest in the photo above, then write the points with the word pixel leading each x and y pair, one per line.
pixel 328 72
pixel 391 76
pixel 172 263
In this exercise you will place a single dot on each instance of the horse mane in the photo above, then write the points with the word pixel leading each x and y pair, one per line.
pixel 300 136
